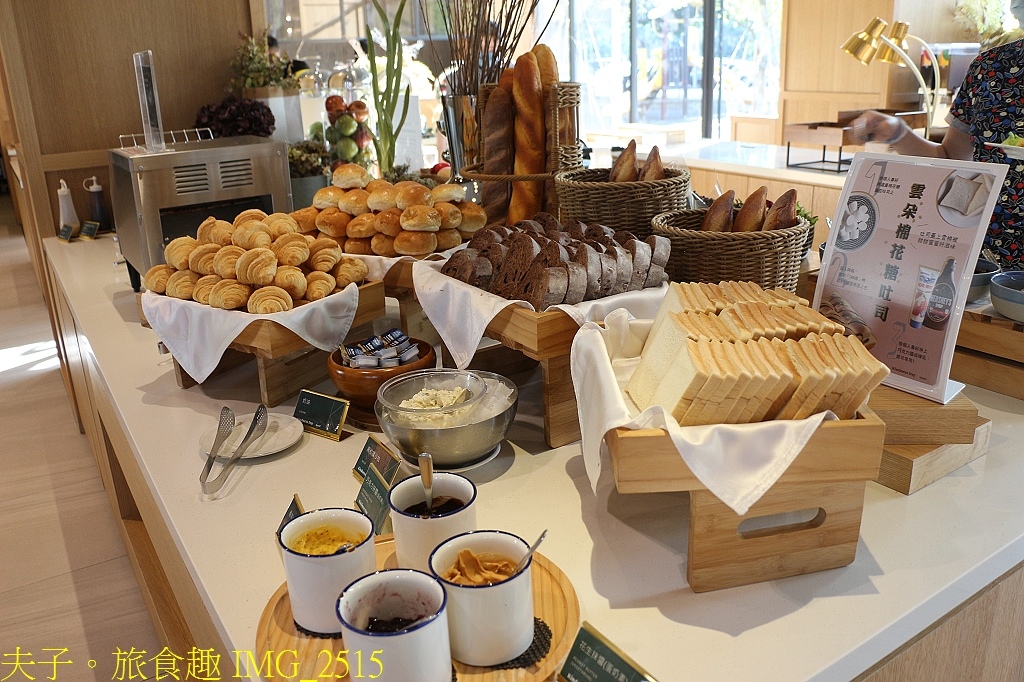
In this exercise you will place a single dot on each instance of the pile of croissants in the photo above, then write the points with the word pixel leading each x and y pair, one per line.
pixel 260 263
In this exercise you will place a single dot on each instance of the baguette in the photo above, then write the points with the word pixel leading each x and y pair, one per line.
pixel 782 213
pixel 624 168
pixel 653 168
pixel 499 152
pixel 719 216
pixel 527 197
pixel 751 215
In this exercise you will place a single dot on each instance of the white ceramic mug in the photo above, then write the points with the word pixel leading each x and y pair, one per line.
pixel 416 537
pixel 488 624
pixel 315 581
pixel 421 651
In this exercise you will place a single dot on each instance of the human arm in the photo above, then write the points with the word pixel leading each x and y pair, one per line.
pixel 875 126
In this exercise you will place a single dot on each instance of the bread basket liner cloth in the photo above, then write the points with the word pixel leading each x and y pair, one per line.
pixel 738 463
pixel 461 312
pixel 197 335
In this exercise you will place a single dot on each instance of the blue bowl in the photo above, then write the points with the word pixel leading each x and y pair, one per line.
pixel 1007 289
pixel 983 272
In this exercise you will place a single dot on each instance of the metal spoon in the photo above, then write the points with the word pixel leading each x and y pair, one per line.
pixel 529 553
pixel 224 429
pixel 426 462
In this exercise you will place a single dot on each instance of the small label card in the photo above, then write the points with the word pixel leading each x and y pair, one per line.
pixel 378 454
pixel 594 659
pixel 66 233
pixel 89 229
pixel 294 510
pixel 372 500
pixel 321 414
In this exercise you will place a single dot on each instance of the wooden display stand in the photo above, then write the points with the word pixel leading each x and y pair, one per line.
pixel 826 479
pixel 990 353
pixel 285 362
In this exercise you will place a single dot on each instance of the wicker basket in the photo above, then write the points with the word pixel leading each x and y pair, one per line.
pixel 771 259
pixel 587 196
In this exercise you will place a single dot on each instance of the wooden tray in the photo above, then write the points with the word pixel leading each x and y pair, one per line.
pixel 554 601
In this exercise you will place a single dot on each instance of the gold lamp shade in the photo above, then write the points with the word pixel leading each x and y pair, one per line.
pixel 897 34
pixel 863 46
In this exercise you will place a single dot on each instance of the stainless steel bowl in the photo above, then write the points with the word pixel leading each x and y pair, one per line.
pixel 456 436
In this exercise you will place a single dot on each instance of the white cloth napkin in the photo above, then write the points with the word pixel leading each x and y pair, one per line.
pixel 738 463
pixel 379 266
pixel 197 335
pixel 641 304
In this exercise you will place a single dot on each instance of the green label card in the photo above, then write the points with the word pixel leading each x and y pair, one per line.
pixel 378 454
pixel 321 414
pixel 65 232
pixel 89 229
pixel 594 659
pixel 372 499
pixel 294 510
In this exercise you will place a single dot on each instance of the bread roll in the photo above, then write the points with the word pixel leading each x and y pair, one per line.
pixel 252 235
pixel 176 253
pixel 350 175
pixel 498 152
pixel 473 216
pixel 256 266
pixel 421 219
pixel 268 300
pixel 382 199
pixel 292 280
pixel 448 239
pixel 451 216
pixel 388 222
pixel 362 226
pixel 333 221
pixel 782 214
pixel 415 243
pixel 323 255
pixel 181 283
pixel 354 202
pixel 719 216
pixel 530 139
pixel 349 270
pixel 327 196
pixel 452 193
pixel 200 261
pixel 281 223
pixel 213 231
pixel 203 287
pixel 407 183
pixel 413 195
pixel 624 168
pixel 383 245
pixel 376 185
pixel 247 215
pixel 156 278
pixel 359 246
pixel 340 241
pixel 225 260
pixel 291 249
pixel 306 218
pixel 229 294
pixel 319 285
pixel 751 215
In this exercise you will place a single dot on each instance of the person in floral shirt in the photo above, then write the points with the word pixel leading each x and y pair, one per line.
pixel 988 108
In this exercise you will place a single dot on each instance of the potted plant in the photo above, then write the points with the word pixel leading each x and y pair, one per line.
pixel 386 95
pixel 268 78
pixel 307 164
pixel 234 116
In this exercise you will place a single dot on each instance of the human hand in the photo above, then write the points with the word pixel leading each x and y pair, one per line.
pixel 872 126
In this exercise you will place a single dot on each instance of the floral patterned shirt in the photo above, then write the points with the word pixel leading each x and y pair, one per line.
pixel 988 107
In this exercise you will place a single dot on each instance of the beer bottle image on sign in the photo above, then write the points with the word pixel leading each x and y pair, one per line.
pixel 940 303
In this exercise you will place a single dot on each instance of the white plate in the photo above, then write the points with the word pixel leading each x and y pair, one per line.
pixel 1010 150
pixel 282 432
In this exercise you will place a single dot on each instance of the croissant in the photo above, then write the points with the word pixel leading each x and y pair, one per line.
pixel 202 257
pixel 250 214
pixel 291 249
pixel 306 218
pixel 229 294
pixel 224 261
pixel 257 266
pixel 292 280
pixel 280 223
pixel 177 252
pixel 319 285
pixel 156 278
pixel 266 300
pixel 252 235
pixel 324 254
pixel 213 231
pixel 201 291
pixel 349 270
pixel 181 283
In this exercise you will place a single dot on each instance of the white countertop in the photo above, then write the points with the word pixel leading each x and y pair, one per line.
pixel 919 556
pixel 761 160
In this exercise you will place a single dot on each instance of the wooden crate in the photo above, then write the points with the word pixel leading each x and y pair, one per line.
pixel 990 353
pixel 824 486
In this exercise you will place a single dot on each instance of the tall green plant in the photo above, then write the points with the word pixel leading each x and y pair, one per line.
pixel 386 99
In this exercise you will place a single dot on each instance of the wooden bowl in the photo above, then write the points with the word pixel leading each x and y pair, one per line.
pixel 359 386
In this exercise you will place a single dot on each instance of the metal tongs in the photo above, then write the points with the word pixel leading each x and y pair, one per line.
pixel 255 432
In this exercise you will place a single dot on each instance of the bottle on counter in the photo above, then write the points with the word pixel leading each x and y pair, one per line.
pixel 98 207
pixel 68 215
pixel 940 302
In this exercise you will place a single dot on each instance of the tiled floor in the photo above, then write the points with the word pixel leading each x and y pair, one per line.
pixel 65 581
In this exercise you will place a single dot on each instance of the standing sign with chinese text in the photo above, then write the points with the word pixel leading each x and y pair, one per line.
pixel 900 257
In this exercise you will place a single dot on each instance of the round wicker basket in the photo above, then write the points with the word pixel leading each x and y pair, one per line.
pixel 770 259
pixel 587 196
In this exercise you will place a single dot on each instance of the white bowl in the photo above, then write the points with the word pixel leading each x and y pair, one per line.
pixel 1007 290
pixel 983 272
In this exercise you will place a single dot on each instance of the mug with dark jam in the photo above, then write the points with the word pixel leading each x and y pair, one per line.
pixel 442 505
